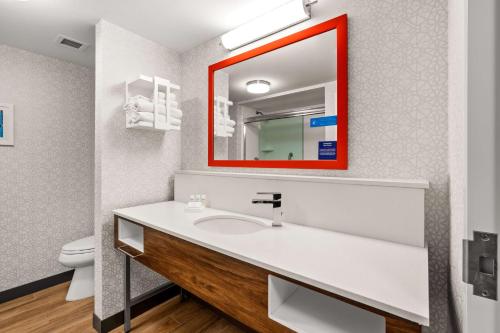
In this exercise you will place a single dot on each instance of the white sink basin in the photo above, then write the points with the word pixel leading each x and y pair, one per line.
pixel 230 225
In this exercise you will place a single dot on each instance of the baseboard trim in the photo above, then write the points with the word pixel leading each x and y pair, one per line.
pixel 29 288
pixel 144 303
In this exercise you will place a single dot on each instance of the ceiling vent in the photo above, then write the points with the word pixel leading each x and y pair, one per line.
pixel 70 42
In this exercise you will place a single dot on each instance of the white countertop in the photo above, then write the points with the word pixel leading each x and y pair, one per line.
pixel 388 276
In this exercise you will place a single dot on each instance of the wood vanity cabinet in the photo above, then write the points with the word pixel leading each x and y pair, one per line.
pixel 237 288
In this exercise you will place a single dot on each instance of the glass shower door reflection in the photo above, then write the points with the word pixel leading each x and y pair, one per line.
pixel 281 139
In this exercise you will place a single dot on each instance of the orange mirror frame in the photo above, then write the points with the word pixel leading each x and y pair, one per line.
pixel 339 24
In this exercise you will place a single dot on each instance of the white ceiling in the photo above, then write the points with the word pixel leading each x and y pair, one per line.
pixel 305 63
pixel 296 100
pixel 180 25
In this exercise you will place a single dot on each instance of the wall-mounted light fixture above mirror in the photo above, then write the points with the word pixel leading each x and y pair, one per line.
pixel 283 104
pixel 291 13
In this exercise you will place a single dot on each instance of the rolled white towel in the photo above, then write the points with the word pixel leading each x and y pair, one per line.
pixel 136 116
pixel 174 121
pixel 144 106
pixel 130 107
pixel 175 113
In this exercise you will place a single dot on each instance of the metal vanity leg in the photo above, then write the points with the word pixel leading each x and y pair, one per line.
pixel 126 309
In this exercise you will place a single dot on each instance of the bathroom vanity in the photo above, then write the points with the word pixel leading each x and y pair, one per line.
pixel 280 279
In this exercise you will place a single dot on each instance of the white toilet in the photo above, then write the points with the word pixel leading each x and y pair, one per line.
pixel 80 256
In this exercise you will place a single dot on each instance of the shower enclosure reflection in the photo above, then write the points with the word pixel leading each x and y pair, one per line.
pixel 272 133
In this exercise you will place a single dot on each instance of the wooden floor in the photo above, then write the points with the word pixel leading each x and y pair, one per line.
pixel 47 311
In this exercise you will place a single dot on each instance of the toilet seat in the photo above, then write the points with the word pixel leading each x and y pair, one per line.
pixel 71 253
pixel 76 260
pixel 80 246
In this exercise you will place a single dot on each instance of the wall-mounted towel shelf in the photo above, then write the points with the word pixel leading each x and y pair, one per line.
pixel 143 82
pixel 150 103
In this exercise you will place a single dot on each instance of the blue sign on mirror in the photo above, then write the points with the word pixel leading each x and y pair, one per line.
pixel 324 121
pixel 1 123
pixel 327 150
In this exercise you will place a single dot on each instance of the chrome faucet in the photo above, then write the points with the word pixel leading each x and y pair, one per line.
pixel 276 202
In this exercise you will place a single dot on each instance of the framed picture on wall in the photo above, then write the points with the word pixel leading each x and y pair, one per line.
pixel 6 124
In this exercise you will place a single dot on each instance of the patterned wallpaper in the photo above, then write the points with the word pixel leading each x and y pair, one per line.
pixel 46 178
pixel 133 167
pixel 398 74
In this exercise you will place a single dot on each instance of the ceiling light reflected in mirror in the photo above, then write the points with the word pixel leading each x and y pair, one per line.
pixel 258 86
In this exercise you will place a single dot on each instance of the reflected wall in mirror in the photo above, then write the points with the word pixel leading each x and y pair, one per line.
pixel 283 104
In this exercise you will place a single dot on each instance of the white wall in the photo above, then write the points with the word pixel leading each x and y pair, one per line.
pixel 46 178
pixel 252 142
pixel 392 211
pixel 457 92
pixel 331 109
pixel 312 135
pixel 398 117
pixel 132 166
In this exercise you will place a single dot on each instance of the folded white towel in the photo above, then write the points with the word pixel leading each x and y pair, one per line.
pixel 139 97
pixel 144 124
pixel 136 116
pixel 161 109
pixel 161 118
pixel 174 121
pixel 229 122
pixel 229 129
pixel 174 104
pixel 161 95
pixel 162 101
pixel 144 106
pixel 175 113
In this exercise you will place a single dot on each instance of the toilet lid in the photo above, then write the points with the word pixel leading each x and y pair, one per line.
pixel 82 245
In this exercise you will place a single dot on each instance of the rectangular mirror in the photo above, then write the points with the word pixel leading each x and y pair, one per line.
pixel 284 104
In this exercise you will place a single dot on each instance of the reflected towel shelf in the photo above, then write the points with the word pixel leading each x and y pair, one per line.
pixel 224 126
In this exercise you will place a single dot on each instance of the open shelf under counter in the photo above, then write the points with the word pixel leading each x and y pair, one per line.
pixel 131 234
pixel 306 311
